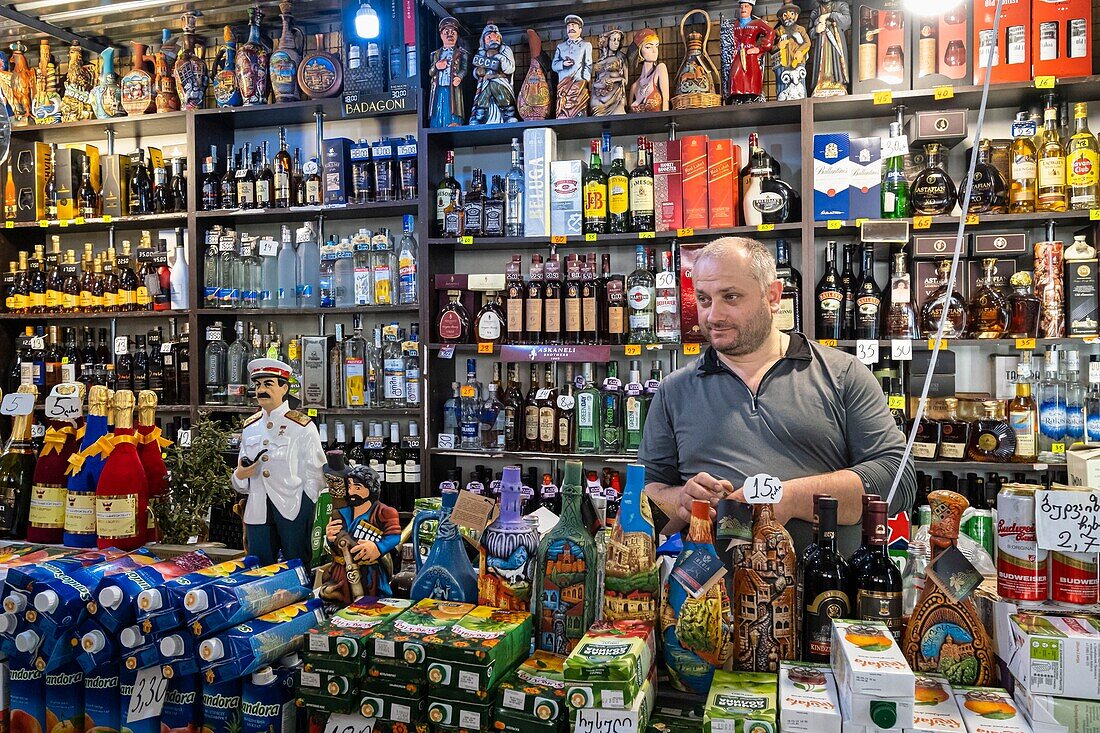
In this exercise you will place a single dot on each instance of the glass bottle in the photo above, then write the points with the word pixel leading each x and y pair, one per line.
pixel 938 301
pixel 1075 399
pixel 552 300
pixel 566 411
pixel 1022 167
pixel 1023 417
pixel 178 186
pixel 642 213
pixel 1024 307
pixel 848 291
pixel 868 312
pixel 1052 409
pixel 989 194
pixel 611 411
pixel 988 310
pixel 16 474
pixel 829 298
pixel 49 187
pixel 1082 162
pixel 618 194
pixel 895 186
pixel 1052 166
pixel 548 411
pixel 514 194
pixel 453 324
pixel 448 196
pixel 667 301
pixel 991 439
pixel 588 412
pixel 595 193
pixel 926 446
pixel 246 180
pixel 140 188
pixel 954 433
pixel 901 320
pixel 825 583
pixel 789 317
pixel 878 585
pixel 535 297
pixel 311 178
pixel 494 209
pixel 216 367
pixel 1092 401
pixel 489 323
pixel 635 409
pixel 641 296
pixel 933 193
pixel 227 187
pixel 613 318
pixel 87 200
pixel 473 206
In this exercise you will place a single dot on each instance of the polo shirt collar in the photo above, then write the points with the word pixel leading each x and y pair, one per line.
pixel 798 348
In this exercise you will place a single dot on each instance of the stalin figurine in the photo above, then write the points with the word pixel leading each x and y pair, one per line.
pixel 279 468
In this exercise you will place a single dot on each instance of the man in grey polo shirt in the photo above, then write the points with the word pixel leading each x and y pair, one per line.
pixel 761 401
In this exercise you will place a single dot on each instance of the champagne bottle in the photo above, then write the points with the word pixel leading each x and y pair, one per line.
pixel 17 473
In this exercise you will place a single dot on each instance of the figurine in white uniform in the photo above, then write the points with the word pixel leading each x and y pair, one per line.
pixel 279 468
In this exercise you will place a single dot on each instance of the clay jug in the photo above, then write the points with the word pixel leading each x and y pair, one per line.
pixel 285 60
pixel 507 552
pixel 447 574
pixel 137 86
pixel 164 84
pixel 107 94
pixel 226 93
pixel 251 65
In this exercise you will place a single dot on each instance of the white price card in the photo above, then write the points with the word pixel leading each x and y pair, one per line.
pixel 901 349
pixel 166 347
pixel 38 343
pixel 1068 520
pixel 763 489
pixel 446 441
pixel 893 147
pixel 665 279
pixel 447 352
pixel 122 345
pixel 64 405
pixel 147 699
pixel 339 723
pixel 183 438
pixel 867 350
pixel 17 403
pixel 268 247
pixel 603 720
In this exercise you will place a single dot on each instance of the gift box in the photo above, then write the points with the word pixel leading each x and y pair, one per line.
pixel 881 46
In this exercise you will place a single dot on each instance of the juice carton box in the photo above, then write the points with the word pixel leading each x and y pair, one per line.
pixel 935 709
pixel 65 695
pixel 160 607
pixel 244 649
pixel 1049 714
pixel 874 682
pixel 322 685
pixel 741 702
pixel 115 604
pixel 1056 655
pixel 629 720
pixel 449 714
pixel 101 698
pixel 676 719
pixel 467 659
pixel 990 710
pixel 536 688
pixel 182 702
pixel 807 698
pixel 403 640
pixel 408 710
pixel 233 600
pixel 339 644
pixel 609 665
pixel 393 673
pixel 221 707
pixel 508 721
pixel 127 682
pixel 26 695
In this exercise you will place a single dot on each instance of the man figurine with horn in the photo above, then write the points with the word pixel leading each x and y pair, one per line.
pixel 752 39
pixel 279 468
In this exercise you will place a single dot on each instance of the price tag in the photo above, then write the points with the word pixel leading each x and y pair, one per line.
pixel 446 441
pixel 17 403
pixel 834 224
pixel 9 225
pixel 312 412
pixel 43 223
pixel 166 348
pixel 122 345
pixel 1058 448
pixel 447 352
pixel 485 347
pixel 1044 82
pixel 340 723
pixel 107 219
pixel 600 720
pixel 147 699
pixel 467 390
pixel 1068 520
pixel 901 349
pixel 80 220
pixel 542 394
pixel 665 279
pixel 944 91
pixel 633 350
pixel 685 232
pixel 38 343
pixel 971 220
pixel 1025 344
pixel 763 489
pixel 647 235
pixel 765 227
pixel 466 239
pixel 861 221
pixel 66 407
pixel 922 222
pixel 895 147
pixel 895 402
pixel 883 97
pixel 590 237
pixel 472 511
pixel 691 349
pixel 867 351
pixel 828 342
pixel 269 247
pixel 559 239
pixel 932 344
pixel 183 438
pixel 63 223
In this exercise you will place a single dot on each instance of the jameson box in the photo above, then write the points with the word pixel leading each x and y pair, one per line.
pixel 807 698
pixel 874 682
pixel 461 715
pixel 566 197
pixel 402 640
pixel 865 187
pixel 540 145
pixel 934 707
pixel 668 185
pixel 339 644
pixel 1057 655
pixel 1081 303
pixel 393 709
pixel 741 702
pixel 723 191
pixel 115 193
pixel 535 688
pixel 693 163
pixel 623 720
pixel 609 665
pixel 1058 714
pixel 832 175
pixel 336 170
pixel 989 710
pixel 69 174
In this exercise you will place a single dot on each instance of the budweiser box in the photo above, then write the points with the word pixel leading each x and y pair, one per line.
pixel 668 185
pixel 989 710
pixel 1056 655
pixel 689 307
pixel 693 163
pixel 1061 38
pixel 832 176
pixel 741 702
pixel 807 698
pixel 723 189
pixel 540 145
pixel 566 197
pixel 874 682
pixel 1058 714
pixel 935 709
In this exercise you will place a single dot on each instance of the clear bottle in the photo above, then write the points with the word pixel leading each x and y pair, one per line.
pixel 1082 162
pixel 588 412
pixel 988 310
pixel 231 276
pixel 1052 166
pixel 355 365
pixel 393 368
pixel 408 283
pixel 236 371
pixel 635 408
pixel 1023 417
pixel 363 286
pixel 450 414
pixel 667 302
pixel 641 296
pixel 343 274
pixel 286 291
pixel 901 320
pixel 1022 167
pixel 469 408
pixel 1075 399
pixel 212 277
pixel 411 350
pixel 514 194
pixel 251 270
pixel 269 273
pixel 309 267
pixel 1052 409
pixel 383 267
pixel 895 186
pixel 215 372
pixel 939 300
pixel 611 411
pixel 1092 401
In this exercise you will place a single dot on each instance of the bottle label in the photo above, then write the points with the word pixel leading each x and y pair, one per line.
pixel 263 192
pixel 573 315
pixel 955 451
pixel 819 621
pixel 1052 419
pixel 1052 172
pixel 1023 167
pixel 70 301
pixel 666 303
pixel 450 326
pixel 1021 423
pixel 633 410
pixel 313 193
pixel 1083 167
pixel 394 372
pixel 282 185
pixel 880 606
pixel 1075 422
pixel 354 382
pixel 361 285
pixel 641 195
pixel 407 274
pixel 47 506
pixel 595 201
pixel 784 318
pixel 80 512
pixel 531 423
pixel 546 425
pixel 244 192
pixel 489 327
pixel 534 316
pixel 618 196
pixel 515 315
pixel 116 516
pixel 383 295
pixel 553 316
pixel 586 410
pixel 925 451
pixel 640 297
pixel 110 300
pixel 412 387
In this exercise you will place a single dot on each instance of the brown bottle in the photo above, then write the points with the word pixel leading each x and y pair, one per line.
pixel 766 633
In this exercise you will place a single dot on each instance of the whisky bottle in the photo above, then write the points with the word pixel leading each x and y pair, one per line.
pixel 940 300
pixel 595 193
pixel 829 298
pixel 1052 166
pixel 988 195
pixel 933 193
pixel 1023 417
pixel 1083 159
pixel 895 186
pixel 493 225
pixel 868 296
pixel 473 208
pixel 901 320
pixel 447 197
pixel 789 317
pixel 1023 167
pixel 642 213
pixel 618 194
pixel 988 311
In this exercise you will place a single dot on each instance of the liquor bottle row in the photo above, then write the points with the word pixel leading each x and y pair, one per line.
pixel 575 415
pixel 385 170
pixel 326 371
pixel 245 271
pixel 46 357
pixel 380 445
pixel 603 489
pixel 107 282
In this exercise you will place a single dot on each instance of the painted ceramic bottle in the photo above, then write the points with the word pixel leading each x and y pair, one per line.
pixel 137 86
pixel 285 59
pixel 76 104
pixel 107 94
pixel 47 101
pixel 508 547
pixel 320 74
pixel 189 69
pixel 695 631
pixel 226 93
pixel 22 85
pixel 632 583
pixel 565 604
pixel 164 83
pixel 447 574
pixel 765 631
pixel 251 66
pixel 943 635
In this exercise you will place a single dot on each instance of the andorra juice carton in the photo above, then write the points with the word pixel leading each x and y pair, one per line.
pixel 339 644
pixel 243 596
pixel 535 689
pixel 221 706
pixel 807 698
pixel 94 645
pixel 126 683
pixel 242 650
pixel 609 665
pixel 20 579
pixel 182 709
pixel 874 682
pixel 65 699
pixel 934 707
pixel 168 597
pixel 990 710
pixel 115 605
pixel 267 700
pixel 102 700
pixel 26 695
pixel 179 653
pixel 402 641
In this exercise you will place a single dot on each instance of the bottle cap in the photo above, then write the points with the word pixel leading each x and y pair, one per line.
pixel 172 646
pixel 93 641
pixel 8 623
pixel 111 597
pixel 150 600
pixel 884 713
pixel 196 601
pixel 131 637
pixel 46 601
pixel 211 650
pixel 15 602
pixel 27 641
pixel 263 676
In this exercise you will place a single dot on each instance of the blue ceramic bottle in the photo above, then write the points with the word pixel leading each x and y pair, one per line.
pixel 447 574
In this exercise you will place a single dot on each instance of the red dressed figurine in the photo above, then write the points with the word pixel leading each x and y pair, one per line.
pixel 752 39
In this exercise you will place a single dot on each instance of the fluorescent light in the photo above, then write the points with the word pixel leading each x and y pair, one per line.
pixel 931 7
pixel 366 21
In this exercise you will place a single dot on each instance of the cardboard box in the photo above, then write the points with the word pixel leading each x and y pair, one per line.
pixel 832 174
pixel 540 146
pixel 1056 655
pixel 874 682
pixel 24 160
pixel 943 379
pixel 535 688
pixel 339 645
pixel 460 715
pixel 69 174
pixel 975 273
pixel 393 709
pixel 1083 465
pixel 1061 38
pixel 336 170
pixel 937 246
pixel 693 163
pixel 943 48
pixel 313 390
pixel 668 185
pixel 807 698
pixel 881 46
pixel 723 193
pixel 566 197
pixel 1048 714
pixel 689 307
pixel 631 720
pixel 741 702
pixel 935 709
pixel 989 710
pixel 865 188
pixel 999 245
pixel 609 665
pixel 1082 318
pixel 1012 56
pixel 947 127
pixel 402 640
pixel 115 192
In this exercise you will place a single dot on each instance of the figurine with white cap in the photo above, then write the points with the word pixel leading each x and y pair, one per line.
pixel 279 468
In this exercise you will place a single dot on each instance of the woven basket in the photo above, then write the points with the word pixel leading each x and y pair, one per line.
pixel 696 101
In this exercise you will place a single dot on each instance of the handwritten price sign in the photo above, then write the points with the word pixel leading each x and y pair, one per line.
pixel 338 723
pixel 1068 521
pixel 150 688
pixel 763 489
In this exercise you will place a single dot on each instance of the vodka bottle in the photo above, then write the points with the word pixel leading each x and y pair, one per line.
pixel 374 368
pixel 450 414
pixel 393 368
pixel 344 275
pixel 408 282
pixel 179 296
pixel 355 360
pixel 364 287
pixel 269 272
pixel 668 304
pixel 1092 401
pixel 513 195
pixel 326 281
pixel 1075 399
pixel 469 409
pixel 309 267
pixel 215 371
pixel 249 269
pixel 237 369
pixel 412 367
pixel 1052 405
pixel 212 268
pixel 491 418
pixel 383 266
pixel 230 274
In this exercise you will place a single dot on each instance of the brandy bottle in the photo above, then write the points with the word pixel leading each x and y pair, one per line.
pixel 901 319
pixel 453 323
pixel 991 439
pixel 926 446
pixel 988 312
pixel 932 193
pixel 989 194
pixel 954 433
pixel 1024 307
pixel 940 300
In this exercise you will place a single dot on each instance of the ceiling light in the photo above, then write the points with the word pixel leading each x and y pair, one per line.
pixel 366 21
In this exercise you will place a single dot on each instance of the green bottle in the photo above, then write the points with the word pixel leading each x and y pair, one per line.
pixel 611 411
pixel 587 413
pixel 635 407
pixel 895 187
pixel 566 596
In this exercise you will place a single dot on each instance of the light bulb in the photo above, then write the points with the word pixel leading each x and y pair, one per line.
pixel 366 22
pixel 931 7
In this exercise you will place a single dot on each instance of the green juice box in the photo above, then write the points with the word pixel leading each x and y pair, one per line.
pixel 460 716
pixel 741 702
pixel 609 665
pixel 404 640
pixel 618 720
pixel 507 721
pixel 536 688
pixel 339 645
pixel 466 660
pixel 392 709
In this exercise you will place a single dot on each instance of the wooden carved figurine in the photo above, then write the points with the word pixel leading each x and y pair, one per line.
pixel 765 615
pixel 494 64
pixel 22 85
pixel 76 104
pixel 164 81
pixel 107 94
pixel 792 49
pixel 224 83
pixel 447 69
pixel 944 635
pixel 745 45
pixel 830 22
pixel 535 93
pixel 137 86
pixel 610 75
pixel 189 69
pixel 573 64
pixel 649 92
pixel 696 83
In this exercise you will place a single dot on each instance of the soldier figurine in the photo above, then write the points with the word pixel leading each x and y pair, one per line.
pixel 494 64
pixel 447 70
pixel 279 468
pixel 573 64
pixel 792 48
pixel 831 21
pixel 752 38
pixel 609 76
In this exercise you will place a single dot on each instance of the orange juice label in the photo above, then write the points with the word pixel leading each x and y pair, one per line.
pixel 116 516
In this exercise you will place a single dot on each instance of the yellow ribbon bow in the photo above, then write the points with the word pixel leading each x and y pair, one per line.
pixel 155 436
pixel 55 439
pixel 101 447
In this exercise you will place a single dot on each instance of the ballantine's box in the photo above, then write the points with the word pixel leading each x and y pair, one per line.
pixel 865 189
pixel 668 185
pixel 693 163
pixel 540 145
pixel 723 192
pixel 832 175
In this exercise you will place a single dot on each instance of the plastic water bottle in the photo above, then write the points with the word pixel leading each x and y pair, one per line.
pixel 286 291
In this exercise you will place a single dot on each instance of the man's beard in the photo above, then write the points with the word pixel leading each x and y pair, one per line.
pixel 357 499
pixel 751 336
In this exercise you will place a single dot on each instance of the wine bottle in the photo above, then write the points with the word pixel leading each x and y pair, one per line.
pixel 824 594
pixel 877 584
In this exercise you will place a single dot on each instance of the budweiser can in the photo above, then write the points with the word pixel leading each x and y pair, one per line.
pixel 1074 579
pixel 1022 568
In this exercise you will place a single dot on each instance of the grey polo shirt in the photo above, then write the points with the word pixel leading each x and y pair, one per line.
pixel 817 410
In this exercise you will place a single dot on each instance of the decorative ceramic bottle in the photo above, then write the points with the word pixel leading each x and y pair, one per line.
pixel 565 601
pixel 251 66
pixel 695 631
pixel 766 633
pixel 22 85
pixel 137 86
pixel 164 83
pixel 320 74
pixel 107 94
pixel 696 83
pixel 535 93
pixel 632 581
pixel 508 547
pixel 226 93
pixel 447 573
pixel 76 104
pixel 46 108
pixel 286 58
pixel 944 635
pixel 189 69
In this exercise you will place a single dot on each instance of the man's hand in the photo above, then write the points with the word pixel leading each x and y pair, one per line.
pixel 244 472
pixel 333 529
pixel 365 551
pixel 702 487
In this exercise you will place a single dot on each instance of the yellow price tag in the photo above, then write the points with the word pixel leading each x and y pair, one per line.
pixel 922 222
pixel 685 232
pixel 1025 344
pixel 633 349
pixel 1094 214
pixel 9 225
pixel 79 220
pixel 485 347
pixel 1057 447
pixel 828 342
pixel 647 235
pixel 106 218
pixel 63 223
pixel 558 239
pixel 590 237
pixel 945 91
pixel 896 402
pixel 971 220
pixel 932 344
pixel 765 227
pixel 43 223
pixel 691 349
pixel 1044 82
pixel 467 390
pixel 312 412
pixel 466 239
pixel 860 222
pixel 884 97
pixel 834 224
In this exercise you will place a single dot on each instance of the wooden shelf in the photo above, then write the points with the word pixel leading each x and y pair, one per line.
pixel 366 412
pixel 980 466
pixel 985 222
pixel 1008 343
pixel 630 239
pixel 275 115
pixel 376 209
pixel 101 224
pixel 168 123
pixel 124 315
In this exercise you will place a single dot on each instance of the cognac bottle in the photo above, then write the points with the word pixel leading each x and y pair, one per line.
pixel 991 439
pixel 933 193
pixel 988 312
pixel 954 433
pixel 1024 307
pixel 901 319
pixel 940 300
pixel 989 193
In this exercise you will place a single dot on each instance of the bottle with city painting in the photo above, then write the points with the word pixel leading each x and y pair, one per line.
pixel 766 571
pixel 507 550
pixel 631 574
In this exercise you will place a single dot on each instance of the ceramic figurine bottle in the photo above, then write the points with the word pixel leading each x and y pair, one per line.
pixel 695 631
pixel 76 104
pixel 226 93
pixel 164 83
pixel 508 546
pixel 632 582
pixel 696 83
pixel 189 69
pixel 22 85
pixel 533 99
pixel 285 59
pixel 944 635
pixel 137 86
pixel 251 66
pixel 320 74
pixel 46 107
pixel 765 632
pixel 447 573
pixel 107 94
